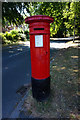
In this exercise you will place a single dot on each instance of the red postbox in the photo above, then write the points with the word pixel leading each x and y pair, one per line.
pixel 39 26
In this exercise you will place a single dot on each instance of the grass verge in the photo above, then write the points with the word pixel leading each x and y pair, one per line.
pixel 63 102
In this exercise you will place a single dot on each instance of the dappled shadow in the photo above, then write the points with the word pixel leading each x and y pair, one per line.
pixel 77 42
pixel 14 50
pixel 63 101
pixel 58 44
pixel 58 41
pixel 55 46
pixel 64 75
pixel 16 71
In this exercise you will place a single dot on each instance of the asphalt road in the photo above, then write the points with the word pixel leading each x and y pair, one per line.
pixel 16 71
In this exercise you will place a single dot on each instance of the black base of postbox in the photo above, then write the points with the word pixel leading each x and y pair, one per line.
pixel 40 88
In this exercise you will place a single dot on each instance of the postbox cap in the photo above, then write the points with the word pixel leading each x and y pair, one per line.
pixel 39 18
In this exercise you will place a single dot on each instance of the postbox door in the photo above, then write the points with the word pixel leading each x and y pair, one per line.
pixel 40 56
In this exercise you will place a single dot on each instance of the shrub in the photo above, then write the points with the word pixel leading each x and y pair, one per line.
pixel 22 37
pixel 18 35
pixel 15 35
pixel 20 31
pixel 14 32
pixel 12 36
pixel 8 35
pixel 27 34
pixel 3 38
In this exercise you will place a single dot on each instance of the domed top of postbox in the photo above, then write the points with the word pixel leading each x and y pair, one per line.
pixel 38 18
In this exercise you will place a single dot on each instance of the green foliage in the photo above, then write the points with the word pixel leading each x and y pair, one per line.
pixel 71 15
pixel 27 34
pixel 66 15
pixel 14 12
pixel 4 39
pixel 14 32
pixel 54 9
pixel 15 35
pixel 12 36
pixel 11 12
pixel 21 31
pixel 8 35
pixel 22 37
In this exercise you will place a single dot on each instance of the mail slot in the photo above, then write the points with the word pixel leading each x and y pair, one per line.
pixel 39 26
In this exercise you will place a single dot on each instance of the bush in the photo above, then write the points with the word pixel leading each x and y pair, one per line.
pixel 12 36
pixel 18 35
pixel 4 39
pixel 15 35
pixel 14 32
pixel 22 37
pixel 8 35
pixel 20 31
pixel 27 34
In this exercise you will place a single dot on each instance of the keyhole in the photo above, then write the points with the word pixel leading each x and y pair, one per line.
pixel 46 52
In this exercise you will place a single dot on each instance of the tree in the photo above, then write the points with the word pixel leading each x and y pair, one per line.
pixel 64 17
pixel 63 13
pixel 11 13
pixel 14 12
pixel 72 14
pixel 54 9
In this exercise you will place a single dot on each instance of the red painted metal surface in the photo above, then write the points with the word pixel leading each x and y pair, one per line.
pixel 40 56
